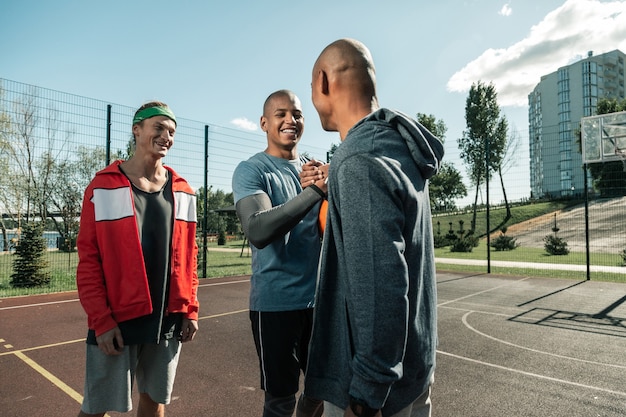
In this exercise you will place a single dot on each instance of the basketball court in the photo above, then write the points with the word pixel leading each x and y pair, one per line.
pixel 509 346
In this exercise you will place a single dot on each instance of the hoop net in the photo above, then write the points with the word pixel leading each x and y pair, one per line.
pixel 621 153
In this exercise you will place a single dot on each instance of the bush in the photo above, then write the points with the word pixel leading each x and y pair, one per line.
pixel 221 238
pixel 29 265
pixel 503 242
pixel 555 245
pixel 440 241
pixel 623 255
pixel 464 244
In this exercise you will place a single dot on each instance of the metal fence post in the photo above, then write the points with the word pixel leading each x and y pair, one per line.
pixel 206 201
pixel 108 138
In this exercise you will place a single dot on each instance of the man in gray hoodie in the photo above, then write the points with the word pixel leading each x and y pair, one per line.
pixel 374 339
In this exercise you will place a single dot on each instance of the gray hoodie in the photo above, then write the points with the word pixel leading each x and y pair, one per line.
pixel 375 327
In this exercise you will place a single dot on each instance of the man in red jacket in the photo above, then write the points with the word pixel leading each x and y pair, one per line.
pixel 136 275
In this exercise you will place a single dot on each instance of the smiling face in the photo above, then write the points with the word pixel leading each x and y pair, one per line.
pixel 154 136
pixel 283 123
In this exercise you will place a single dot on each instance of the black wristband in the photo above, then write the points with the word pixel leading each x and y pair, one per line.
pixel 361 409
pixel 319 190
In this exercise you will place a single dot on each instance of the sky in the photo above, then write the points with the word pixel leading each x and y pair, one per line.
pixel 217 61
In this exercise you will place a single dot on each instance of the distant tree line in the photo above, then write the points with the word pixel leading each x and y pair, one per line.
pixel 43 174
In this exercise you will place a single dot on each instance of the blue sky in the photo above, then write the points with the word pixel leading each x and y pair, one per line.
pixel 216 61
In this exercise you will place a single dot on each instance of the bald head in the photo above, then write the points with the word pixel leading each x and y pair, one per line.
pixel 344 85
pixel 277 94
pixel 351 63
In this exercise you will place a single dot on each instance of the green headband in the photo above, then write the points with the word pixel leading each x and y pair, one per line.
pixel 151 112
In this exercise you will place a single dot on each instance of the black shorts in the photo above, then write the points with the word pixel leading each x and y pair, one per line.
pixel 282 343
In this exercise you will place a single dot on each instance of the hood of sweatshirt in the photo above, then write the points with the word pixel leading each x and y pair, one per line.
pixel 426 149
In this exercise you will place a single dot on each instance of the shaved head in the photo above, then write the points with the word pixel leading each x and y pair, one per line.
pixel 351 63
pixel 280 93
pixel 344 85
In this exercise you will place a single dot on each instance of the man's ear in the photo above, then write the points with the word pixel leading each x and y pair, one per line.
pixel 263 123
pixel 320 81
pixel 324 82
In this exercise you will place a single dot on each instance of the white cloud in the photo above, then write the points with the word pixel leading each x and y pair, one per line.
pixel 506 10
pixel 245 124
pixel 567 32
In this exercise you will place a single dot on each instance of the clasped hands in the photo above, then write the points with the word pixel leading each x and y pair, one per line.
pixel 315 173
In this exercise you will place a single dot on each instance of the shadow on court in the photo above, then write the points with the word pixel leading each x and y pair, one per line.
pixel 509 346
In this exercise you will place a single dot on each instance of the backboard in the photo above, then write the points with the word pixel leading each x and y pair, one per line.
pixel 604 137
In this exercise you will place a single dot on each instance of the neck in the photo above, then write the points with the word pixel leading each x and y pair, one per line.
pixel 288 154
pixel 355 115
pixel 144 167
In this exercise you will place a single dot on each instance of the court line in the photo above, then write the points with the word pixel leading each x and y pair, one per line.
pixel 556 355
pixel 73 300
pixel 224 283
pixel 530 374
pixel 223 314
pixel 59 383
pixel 482 292
pixel 13 352
pixel 50 377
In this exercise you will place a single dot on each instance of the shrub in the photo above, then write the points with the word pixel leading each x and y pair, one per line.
pixel 623 255
pixel 440 241
pixel 504 242
pixel 555 245
pixel 30 265
pixel 464 244
pixel 221 238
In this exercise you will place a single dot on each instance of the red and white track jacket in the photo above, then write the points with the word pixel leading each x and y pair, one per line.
pixel 111 276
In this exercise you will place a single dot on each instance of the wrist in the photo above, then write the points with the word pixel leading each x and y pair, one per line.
pixel 361 409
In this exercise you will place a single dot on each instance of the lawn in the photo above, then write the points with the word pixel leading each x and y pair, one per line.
pixel 496 217
pixel 62 266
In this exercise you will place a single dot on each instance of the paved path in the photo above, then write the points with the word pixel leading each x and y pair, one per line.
pixel 533 265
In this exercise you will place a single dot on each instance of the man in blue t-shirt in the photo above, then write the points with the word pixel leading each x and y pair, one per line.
pixel 280 220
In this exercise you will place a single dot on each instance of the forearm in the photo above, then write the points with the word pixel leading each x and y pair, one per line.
pixel 263 223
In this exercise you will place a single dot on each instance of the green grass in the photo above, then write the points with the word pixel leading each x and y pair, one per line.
pixel 496 217
pixel 62 267
pixel 532 272
pixel 536 255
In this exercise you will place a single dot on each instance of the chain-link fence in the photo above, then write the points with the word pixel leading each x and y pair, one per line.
pixel 52 143
pixel 572 218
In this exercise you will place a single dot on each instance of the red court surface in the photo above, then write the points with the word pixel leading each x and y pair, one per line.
pixel 509 346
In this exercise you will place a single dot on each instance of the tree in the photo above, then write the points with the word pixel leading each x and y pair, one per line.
pixel 331 151
pixel 445 187
pixel 217 221
pixel 485 127
pixel 6 155
pixel 30 265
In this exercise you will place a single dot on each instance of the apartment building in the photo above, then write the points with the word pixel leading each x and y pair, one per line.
pixel 555 108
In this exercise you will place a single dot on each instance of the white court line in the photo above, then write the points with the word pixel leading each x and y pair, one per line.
pixel 224 283
pixel 73 300
pixel 504 342
pixel 530 374
pixel 481 292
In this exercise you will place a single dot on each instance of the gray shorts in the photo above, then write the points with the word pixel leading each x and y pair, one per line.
pixel 109 379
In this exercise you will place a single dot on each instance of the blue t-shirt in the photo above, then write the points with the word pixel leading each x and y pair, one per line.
pixel 284 272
